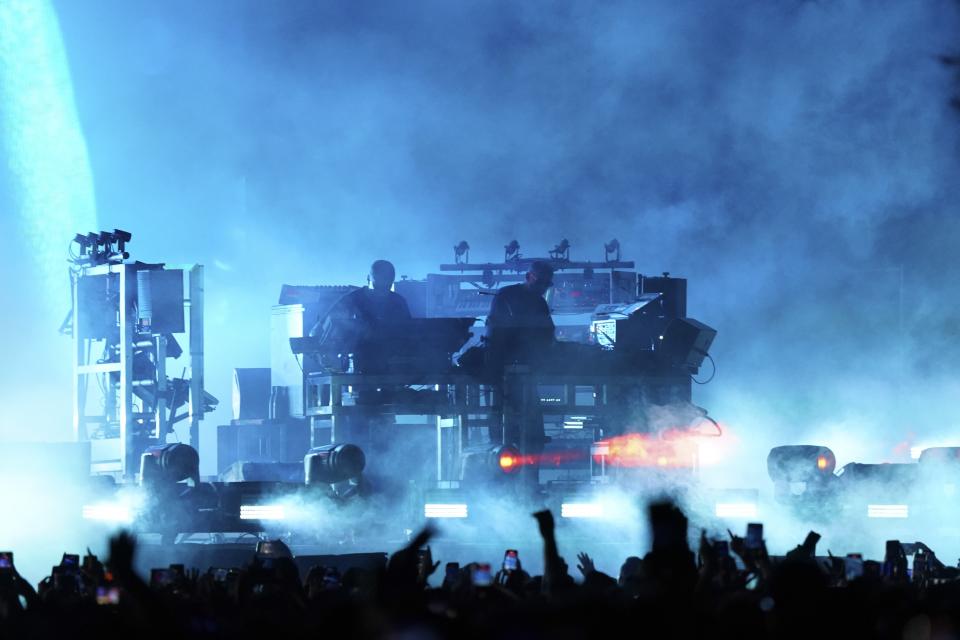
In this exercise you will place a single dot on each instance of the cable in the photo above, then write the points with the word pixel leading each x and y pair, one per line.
pixel 72 257
pixel 712 373
pixel 704 415
pixel 714 423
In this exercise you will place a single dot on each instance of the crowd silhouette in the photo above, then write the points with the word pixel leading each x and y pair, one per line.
pixel 724 588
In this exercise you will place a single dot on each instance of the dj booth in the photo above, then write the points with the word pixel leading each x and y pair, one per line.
pixel 465 406
pixel 421 374
pixel 461 407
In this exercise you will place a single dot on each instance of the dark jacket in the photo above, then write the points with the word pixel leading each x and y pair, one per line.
pixel 519 326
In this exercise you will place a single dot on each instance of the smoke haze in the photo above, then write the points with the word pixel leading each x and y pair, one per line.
pixel 797 161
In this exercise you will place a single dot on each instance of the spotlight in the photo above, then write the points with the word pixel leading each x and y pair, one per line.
pixel 83 241
pixel 461 252
pixel 802 474
pixel 262 512
pixel 800 463
pixel 940 457
pixel 169 464
pixel 333 463
pixel 888 511
pixel 98 248
pixel 444 510
pixel 122 237
pixel 108 512
pixel 511 251
pixel 118 237
pixel 490 462
pixel 93 239
pixel 508 459
pixel 561 252
pixel 611 251
pixel 581 510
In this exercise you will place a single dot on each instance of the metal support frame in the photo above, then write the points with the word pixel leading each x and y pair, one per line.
pixel 451 420
pixel 194 305
pixel 115 447
pixel 324 394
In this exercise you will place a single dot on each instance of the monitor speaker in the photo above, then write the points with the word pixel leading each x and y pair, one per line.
pixel 685 342
pixel 251 394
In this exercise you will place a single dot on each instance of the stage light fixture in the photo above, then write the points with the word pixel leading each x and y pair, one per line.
pixel 508 459
pixel 461 252
pixel 800 463
pixel 802 474
pixel 122 238
pixel 445 510
pixel 490 462
pixel 511 251
pixel 263 512
pixel 581 510
pixel 169 464
pixel 333 463
pixel 940 457
pixel 108 512
pixel 888 511
pixel 611 251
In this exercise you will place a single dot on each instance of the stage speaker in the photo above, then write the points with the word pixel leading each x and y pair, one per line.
pixel 160 300
pixel 685 342
pixel 251 394
pixel 673 298
pixel 262 441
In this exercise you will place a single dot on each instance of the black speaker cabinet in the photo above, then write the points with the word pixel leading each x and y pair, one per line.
pixel 686 342
pixel 673 300
pixel 262 441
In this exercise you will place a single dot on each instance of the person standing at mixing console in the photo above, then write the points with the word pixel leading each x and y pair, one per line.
pixel 519 326
pixel 520 331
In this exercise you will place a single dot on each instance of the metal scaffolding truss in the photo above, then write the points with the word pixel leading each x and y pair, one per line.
pixel 123 399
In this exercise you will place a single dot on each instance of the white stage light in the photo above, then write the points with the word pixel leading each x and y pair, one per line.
pixel 262 512
pixel 444 510
pixel 735 510
pixel 581 510
pixel 108 512
pixel 888 511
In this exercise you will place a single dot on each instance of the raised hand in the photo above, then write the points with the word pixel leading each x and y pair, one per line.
pixel 545 522
pixel 122 547
pixel 422 537
pixel 738 545
pixel 586 565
